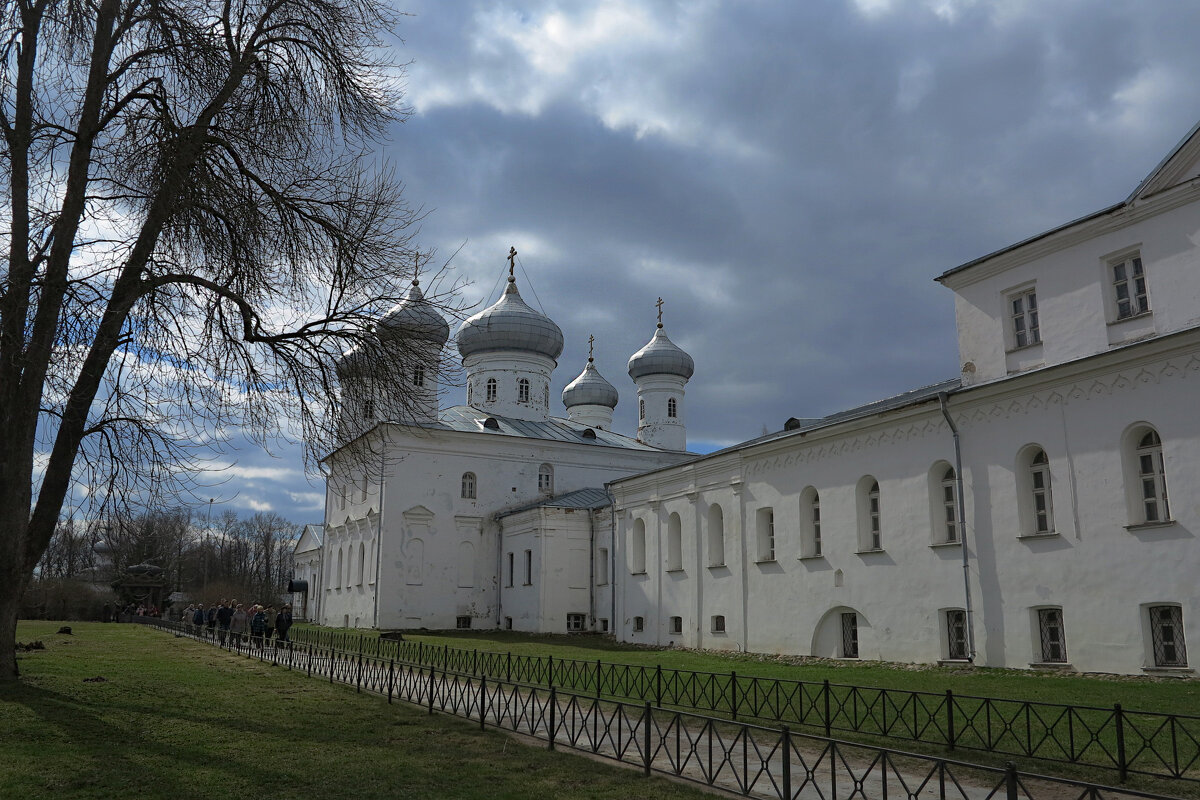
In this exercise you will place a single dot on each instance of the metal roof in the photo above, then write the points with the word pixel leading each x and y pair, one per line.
pixel 661 356
pixel 589 499
pixel 590 388
pixel 470 420
pixel 510 324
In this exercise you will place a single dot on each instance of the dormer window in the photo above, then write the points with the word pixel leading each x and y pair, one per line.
pixel 523 390
pixel 1129 288
pixel 1023 313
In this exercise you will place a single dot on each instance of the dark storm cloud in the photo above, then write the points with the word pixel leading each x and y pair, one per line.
pixel 790 177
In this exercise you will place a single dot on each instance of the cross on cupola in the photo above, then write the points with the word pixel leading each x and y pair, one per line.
pixel 591 340
pixel 512 258
pixel 416 268
pixel 660 305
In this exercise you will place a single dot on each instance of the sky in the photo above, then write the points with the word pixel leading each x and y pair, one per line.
pixel 789 177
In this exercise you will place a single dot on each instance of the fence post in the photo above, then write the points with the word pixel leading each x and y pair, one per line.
pixel 420 652
pixel 549 670
pixel 475 663
pixel 358 677
pixel 482 701
pixel 553 709
pixel 658 686
pixel 646 737
pixel 391 677
pixel 1010 780
pixel 787 762
pixel 598 667
pixel 431 689
pixel 1119 716
pixel 309 647
pixel 950 719
pixel 508 667
pixel 445 656
pixel 733 696
pixel 331 657
pixel 828 718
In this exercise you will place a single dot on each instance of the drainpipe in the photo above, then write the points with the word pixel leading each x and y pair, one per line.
pixel 591 512
pixel 499 571
pixel 612 562
pixel 379 531
pixel 962 524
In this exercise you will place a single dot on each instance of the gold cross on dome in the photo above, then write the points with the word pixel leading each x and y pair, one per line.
pixel 660 305
pixel 512 257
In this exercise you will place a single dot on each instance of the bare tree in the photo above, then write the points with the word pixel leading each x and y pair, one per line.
pixel 195 233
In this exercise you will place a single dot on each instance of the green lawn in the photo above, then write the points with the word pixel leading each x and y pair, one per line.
pixel 1133 693
pixel 177 719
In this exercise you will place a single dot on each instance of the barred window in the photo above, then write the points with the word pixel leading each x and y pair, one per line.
pixel 639 624
pixel 850 635
pixel 956 634
pixel 462 623
pixel 1050 629
pixel 718 623
pixel 1166 633
pixel 576 622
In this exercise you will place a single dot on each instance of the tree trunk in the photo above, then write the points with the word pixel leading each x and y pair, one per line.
pixel 12 586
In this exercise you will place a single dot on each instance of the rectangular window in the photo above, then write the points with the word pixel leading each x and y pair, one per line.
pixel 676 625
pixel 718 623
pixel 463 622
pixel 1050 627
pixel 508 623
pixel 850 635
pixel 639 624
pixel 1024 316
pixel 528 567
pixel 576 622
pixel 873 510
pixel 602 567
pixel 604 626
pixel 765 519
pixel 1129 288
pixel 510 569
pixel 956 634
pixel 1166 631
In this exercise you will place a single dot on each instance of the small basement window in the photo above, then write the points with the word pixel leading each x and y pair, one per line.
pixel 463 623
pixel 639 624
pixel 576 622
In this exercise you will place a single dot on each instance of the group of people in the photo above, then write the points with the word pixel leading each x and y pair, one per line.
pixel 230 621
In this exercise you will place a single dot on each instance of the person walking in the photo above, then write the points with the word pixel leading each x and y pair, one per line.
pixel 283 622
pixel 198 619
pixel 224 620
pixel 258 626
pixel 272 614
pixel 237 624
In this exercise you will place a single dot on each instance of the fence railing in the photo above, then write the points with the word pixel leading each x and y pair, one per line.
pixel 738 756
pixel 1126 741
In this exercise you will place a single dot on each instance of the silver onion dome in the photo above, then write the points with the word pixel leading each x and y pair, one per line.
pixel 590 389
pixel 414 318
pixel 510 324
pixel 661 356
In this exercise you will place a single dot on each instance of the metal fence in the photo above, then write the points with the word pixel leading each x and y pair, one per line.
pixel 1128 742
pixel 737 756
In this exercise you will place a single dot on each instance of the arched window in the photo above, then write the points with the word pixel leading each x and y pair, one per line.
pixel 523 390
pixel 339 583
pixel 1152 473
pixel 1035 499
pixel 362 562
pixel 637 547
pixel 1043 507
pixel 810 523
pixel 545 478
pixel 716 536
pixel 419 375
pixel 671 407
pixel 468 486
pixel 765 524
pixel 641 409
pixel 491 390
pixel 943 498
pixel 674 542
pixel 368 408
pixel 870 526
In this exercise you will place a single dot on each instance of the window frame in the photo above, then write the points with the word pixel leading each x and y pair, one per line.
pixel 545 481
pixel 462 623
pixel 715 530
pixel 523 392
pixel 1052 632
pixel 870 515
pixel 717 623
pixel 1122 271
pixel 491 388
pixel 676 626
pixel 511 568
pixel 1156 507
pixel 849 647
pixel 672 408
pixel 639 624
pixel 957 645
pixel 764 519
pixel 468 488
pixel 1024 325
pixel 576 622
pixel 528 568
pixel 419 376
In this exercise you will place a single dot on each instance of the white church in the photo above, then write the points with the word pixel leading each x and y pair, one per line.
pixel 1039 510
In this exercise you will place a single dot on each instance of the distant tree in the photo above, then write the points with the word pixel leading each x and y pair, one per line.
pixel 194 231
